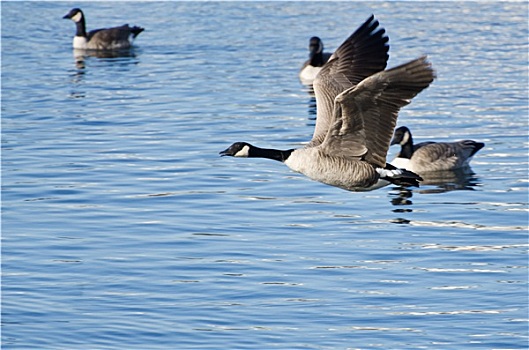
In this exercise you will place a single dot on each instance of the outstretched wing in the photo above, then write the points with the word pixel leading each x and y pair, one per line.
pixel 366 114
pixel 364 53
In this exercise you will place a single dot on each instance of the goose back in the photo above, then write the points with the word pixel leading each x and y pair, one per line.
pixel 440 156
pixel 332 170
pixel 112 38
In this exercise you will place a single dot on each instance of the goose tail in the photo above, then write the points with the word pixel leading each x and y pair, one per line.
pixel 472 146
pixel 136 30
pixel 400 177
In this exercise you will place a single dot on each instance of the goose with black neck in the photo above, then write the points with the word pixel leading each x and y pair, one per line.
pixel 357 108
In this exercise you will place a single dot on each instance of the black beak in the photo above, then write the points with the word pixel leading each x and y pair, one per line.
pixel 225 152
pixel 67 16
pixel 394 142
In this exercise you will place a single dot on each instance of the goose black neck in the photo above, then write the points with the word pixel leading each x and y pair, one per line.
pixel 80 28
pixel 317 60
pixel 270 153
pixel 406 150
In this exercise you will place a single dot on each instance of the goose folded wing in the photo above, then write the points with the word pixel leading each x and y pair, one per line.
pixel 108 35
pixel 365 115
pixel 436 151
pixel 454 151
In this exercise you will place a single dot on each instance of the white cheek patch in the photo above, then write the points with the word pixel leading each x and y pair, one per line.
pixel 244 152
pixel 405 138
pixel 77 17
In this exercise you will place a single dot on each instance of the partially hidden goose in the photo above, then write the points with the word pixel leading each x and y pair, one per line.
pixel 115 38
pixel 357 107
pixel 432 156
pixel 317 58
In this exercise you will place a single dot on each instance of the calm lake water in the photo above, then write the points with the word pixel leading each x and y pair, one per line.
pixel 122 228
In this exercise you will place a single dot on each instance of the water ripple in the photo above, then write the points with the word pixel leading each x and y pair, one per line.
pixel 123 228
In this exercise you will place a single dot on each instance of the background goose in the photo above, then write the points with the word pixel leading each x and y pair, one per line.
pixel 101 39
pixel 317 58
pixel 432 156
pixel 357 106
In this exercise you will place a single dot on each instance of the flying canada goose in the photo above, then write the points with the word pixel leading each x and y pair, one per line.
pixel 357 108
pixel 101 39
pixel 432 156
pixel 317 58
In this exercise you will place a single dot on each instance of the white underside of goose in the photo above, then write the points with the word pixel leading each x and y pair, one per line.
pixel 351 175
pixel 335 171
pixel 79 42
pixel 401 163
pixel 308 74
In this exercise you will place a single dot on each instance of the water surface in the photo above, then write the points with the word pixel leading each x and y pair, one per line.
pixel 122 228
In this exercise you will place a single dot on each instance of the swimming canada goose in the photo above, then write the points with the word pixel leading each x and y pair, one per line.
pixel 317 58
pixel 101 39
pixel 357 107
pixel 432 156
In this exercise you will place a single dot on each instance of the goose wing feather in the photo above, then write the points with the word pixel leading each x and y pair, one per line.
pixel 437 154
pixel 446 155
pixel 364 53
pixel 365 115
pixel 106 36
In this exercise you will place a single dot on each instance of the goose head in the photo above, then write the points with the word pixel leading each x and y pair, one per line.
pixel 401 136
pixel 315 46
pixel 238 149
pixel 245 150
pixel 75 15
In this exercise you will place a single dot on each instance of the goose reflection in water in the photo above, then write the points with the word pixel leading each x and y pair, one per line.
pixel 123 57
pixel 81 55
pixel 450 180
pixel 462 179
pixel 312 105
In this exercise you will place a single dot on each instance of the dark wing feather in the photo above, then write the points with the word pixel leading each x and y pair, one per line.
pixel 107 37
pixel 367 113
pixel 364 53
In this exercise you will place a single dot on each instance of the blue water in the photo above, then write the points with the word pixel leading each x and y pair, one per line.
pixel 122 228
